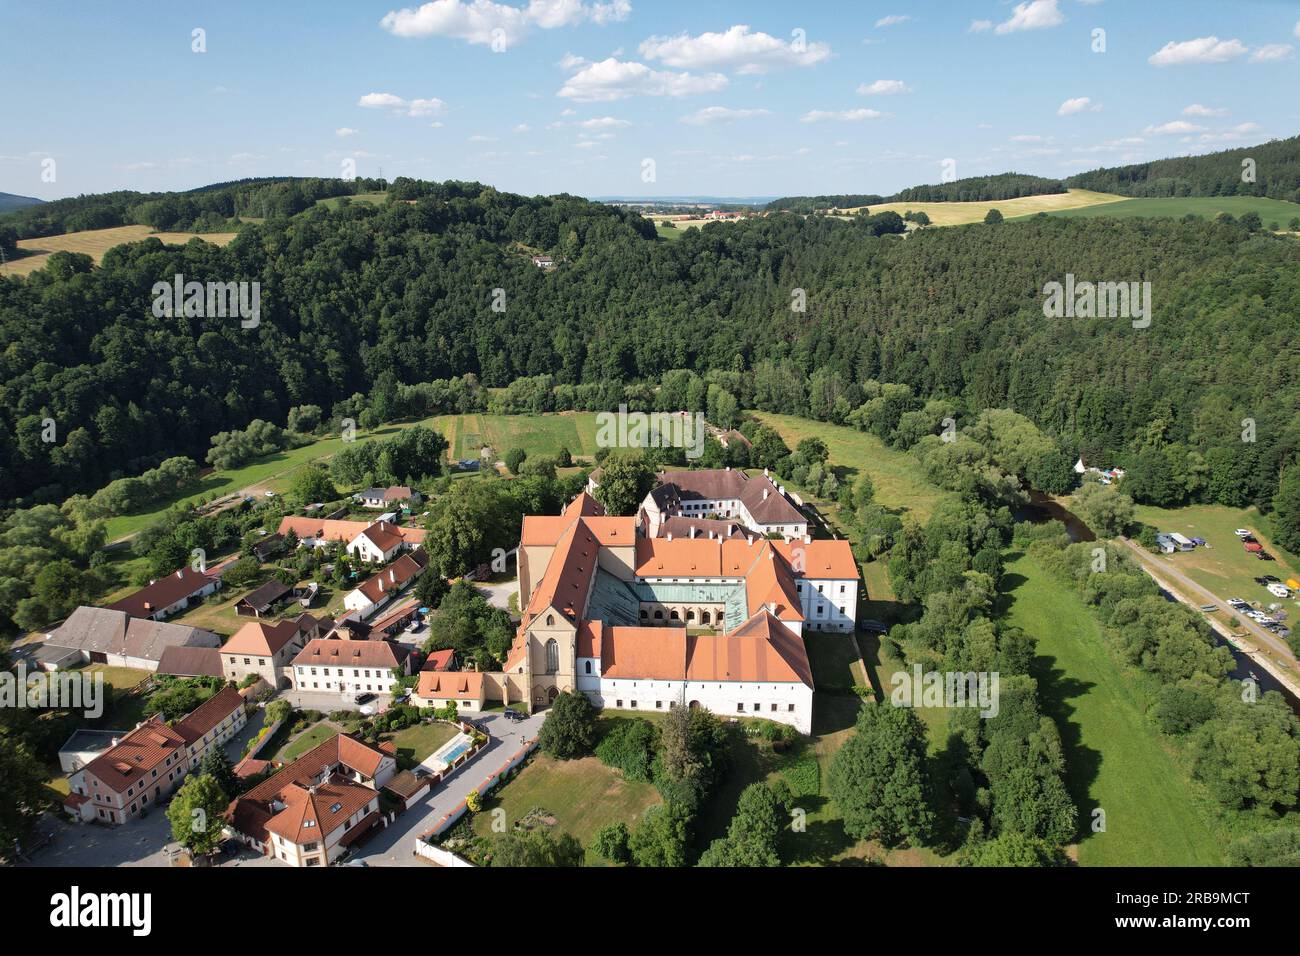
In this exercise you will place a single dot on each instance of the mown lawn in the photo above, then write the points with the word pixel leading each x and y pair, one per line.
pixel 899 480
pixel 416 743
pixel 316 734
pixel 535 434
pixel 1270 210
pixel 1115 758
pixel 582 796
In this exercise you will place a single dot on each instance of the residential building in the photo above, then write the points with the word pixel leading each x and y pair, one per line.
pixel 390 497
pixel 311 811
pixel 142 768
pixel 379 589
pixel 466 689
pixel 348 667
pixel 378 543
pixel 267 649
pixel 191 662
pixel 320 532
pixel 168 595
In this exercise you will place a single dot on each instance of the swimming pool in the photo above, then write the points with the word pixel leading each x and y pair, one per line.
pixel 451 755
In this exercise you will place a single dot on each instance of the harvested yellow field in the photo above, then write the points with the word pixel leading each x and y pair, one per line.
pixel 96 242
pixel 961 213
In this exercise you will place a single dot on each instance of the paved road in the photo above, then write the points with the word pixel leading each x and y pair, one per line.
pixel 396 845
pixel 498 594
pixel 1266 645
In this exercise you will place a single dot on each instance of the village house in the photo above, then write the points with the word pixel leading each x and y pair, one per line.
pixel 379 589
pixel 141 769
pixel 439 688
pixel 311 811
pixel 349 667
pixel 391 497
pixel 168 595
pixel 267 649
pixel 378 543
pixel 321 532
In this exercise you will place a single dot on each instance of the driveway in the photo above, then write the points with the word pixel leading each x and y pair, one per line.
pixel 395 846
pixel 327 701
pixel 498 593
pixel 146 842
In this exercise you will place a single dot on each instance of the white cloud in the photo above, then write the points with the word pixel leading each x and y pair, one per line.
pixel 845 116
pixel 571 61
pixel 979 26
pixel 389 101
pixel 484 21
pixel 345 131
pixel 1297 28
pixel 720 114
pixel 522 128
pixel 1032 15
pixel 737 49
pixel 1172 127
pixel 883 88
pixel 1028 138
pixel 892 20
pixel 612 79
pixel 1200 50
pixel 1196 109
pixel 1270 52
pixel 1078 104
pixel 480 138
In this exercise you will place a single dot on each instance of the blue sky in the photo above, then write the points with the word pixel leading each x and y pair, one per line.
pixel 543 96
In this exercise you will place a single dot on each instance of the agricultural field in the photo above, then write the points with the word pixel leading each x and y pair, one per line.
pixel 963 213
pixel 1224 566
pixel 536 434
pixel 96 242
pixel 900 482
pixel 1115 758
pixel 1269 210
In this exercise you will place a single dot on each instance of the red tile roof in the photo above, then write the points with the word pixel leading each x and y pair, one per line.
pixel 333 652
pixel 394 577
pixel 162 593
pixel 450 685
pixel 209 714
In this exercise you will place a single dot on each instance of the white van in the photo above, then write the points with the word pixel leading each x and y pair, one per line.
pixel 1279 590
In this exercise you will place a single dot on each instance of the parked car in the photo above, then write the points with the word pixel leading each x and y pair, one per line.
pixel 511 714
pixel 1263 556
pixel 1242 533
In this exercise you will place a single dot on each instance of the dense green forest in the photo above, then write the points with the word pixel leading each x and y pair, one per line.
pixel 982 189
pixel 1276 174
pixel 806 205
pixel 363 298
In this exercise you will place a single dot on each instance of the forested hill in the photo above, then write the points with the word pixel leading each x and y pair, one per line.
pixel 971 189
pixel 359 298
pixel 9 201
pixel 1276 174
pixel 982 189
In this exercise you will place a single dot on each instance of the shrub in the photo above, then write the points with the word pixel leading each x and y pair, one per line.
pixel 629 747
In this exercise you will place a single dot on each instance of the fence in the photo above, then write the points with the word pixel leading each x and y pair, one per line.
pixel 449 819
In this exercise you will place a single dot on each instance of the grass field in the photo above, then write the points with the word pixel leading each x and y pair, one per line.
pixel 1270 210
pixel 581 795
pixel 96 242
pixel 536 434
pixel 374 199
pixel 963 213
pixel 1115 759
pixel 316 734
pixel 899 481
pixel 416 743
pixel 1225 567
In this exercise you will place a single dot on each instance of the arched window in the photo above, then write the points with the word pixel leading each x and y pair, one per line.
pixel 704 618
pixel 673 615
pixel 552 656
pixel 690 615
pixel 659 615
pixel 644 615
pixel 550 620
pixel 588 667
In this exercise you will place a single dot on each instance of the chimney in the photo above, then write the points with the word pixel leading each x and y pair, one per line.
pixel 148 606
pixel 670 536
pixel 392 576
pixel 750 539
pixel 180 573
pixel 728 468
pixel 710 535
pixel 692 532
pixel 807 539
pixel 764 472
pixel 765 494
